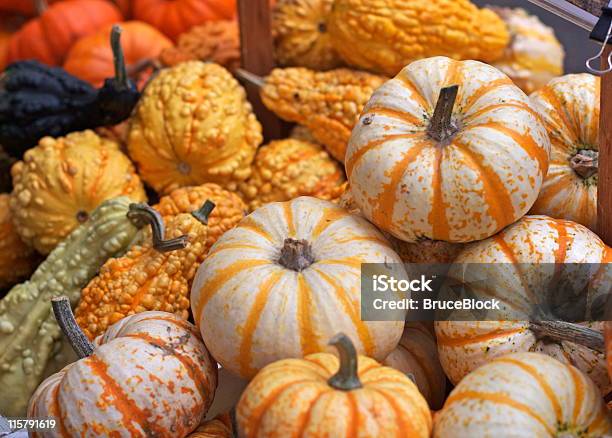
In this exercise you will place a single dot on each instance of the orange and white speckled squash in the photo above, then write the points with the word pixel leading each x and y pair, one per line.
pixel 457 175
pixel 148 375
pixel 193 125
pixel 17 260
pixel 417 355
pixel 569 106
pixel 62 180
pixel 465 345
pixel 323 396
pixel 534 55
pixel 286 169
pixel 292 268
pixel 524 395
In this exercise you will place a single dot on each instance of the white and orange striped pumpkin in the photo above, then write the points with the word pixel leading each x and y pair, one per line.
pixel 417 356
pixel 524 395
pixel 149 375
pixel 457 175
pixel 569 106
pixel 285 280
pixel 521 253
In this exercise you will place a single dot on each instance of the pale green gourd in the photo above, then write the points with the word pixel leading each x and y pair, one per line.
pixel 30 339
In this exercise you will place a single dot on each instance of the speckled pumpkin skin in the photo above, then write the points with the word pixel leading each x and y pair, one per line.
pixel 327 103
pixel 383 36
pixel 149 375
pixel 193 125
pixel 483 178
pixel 301 36
pixel 144 279
pixel 464 346
pixel 417 354
pixel 292 398
pixel 286 169
pixel 569 106
pixel 242 297
pixel 25 313
pixel 17 260
pixel 524 395
pixel 60 182
pixel 534 55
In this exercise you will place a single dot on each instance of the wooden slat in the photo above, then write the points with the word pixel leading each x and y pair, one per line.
pixel 257 53
pixel 591 6
pixel 604 186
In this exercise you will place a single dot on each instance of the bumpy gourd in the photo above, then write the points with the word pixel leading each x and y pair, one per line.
pixel 215 41
pixel 534 55
pixel 62 180
pixel 146 278
pixel 29 335
pixel 17 260
pixel 193 125
pixel 300 33
pixel 328 103
pixel 383 36
pixel 286 169
pixel 229 208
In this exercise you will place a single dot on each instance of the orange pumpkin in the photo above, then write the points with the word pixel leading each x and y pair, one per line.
pixel 91 59
pixel 22 7
pixel 218 427
pixel 48 37
pixel 173 17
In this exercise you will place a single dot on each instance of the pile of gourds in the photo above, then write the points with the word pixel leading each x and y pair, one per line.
pixel 165 273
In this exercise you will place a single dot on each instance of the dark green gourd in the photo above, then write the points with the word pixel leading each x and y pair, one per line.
pixel 37 100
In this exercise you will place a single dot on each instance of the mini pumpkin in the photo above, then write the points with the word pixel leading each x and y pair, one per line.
pixel 156 275
pixel 153 364
pixel 17 260
pixel 321 395
pixel 417 356
pixel 300 34
pixel 420 166
pixel 522 395
pixel 215 41
pixel 286 169
pixel 218 427
pixel 327 103
pixel 193 125
pixel 294 265
pixel 534 55
pixel 174 17
pixel 49 37
pixel 91 58
pixel 383 36
pixel 522 252
pixel 569 106
pixel 229 208
pixel 60 181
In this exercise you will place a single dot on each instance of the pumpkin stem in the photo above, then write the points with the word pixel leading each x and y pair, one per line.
pixel 141 214
pixel 121 76
pixel 585 163
pixel 571 332
pixel 204 211
pixel 41 6
pixel 296 255
pixel 65 319
pixel 441 126
pixel 346 378
pixel 249 78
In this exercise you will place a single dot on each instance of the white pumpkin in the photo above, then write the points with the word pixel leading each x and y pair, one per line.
pixel 458 174
pixel 285 280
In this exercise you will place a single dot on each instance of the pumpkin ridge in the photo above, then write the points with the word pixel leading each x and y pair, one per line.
pixel 421 361
pixel 354 419
pixel 550 394
pixel 578 385
pixel 508 252
pixel 394 114
pixel 485 89
pixel 517 104
pixel 249 224
pixel 309 339
pixel 181 323
pixel 549 95
pixel 459 341
pixel 61 417
pixel 350 261
pixel 288 215
pixel 407 82
pixel 437 215
pixel 252 320
pixel 303 424
pixel 500 399
pixel 564 240
pixel 328 218
pixel 405 424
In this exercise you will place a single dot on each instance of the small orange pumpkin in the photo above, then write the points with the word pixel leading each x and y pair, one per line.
pixel 173 17
pixel 218 427
pixel 91 58
pixel 48 37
